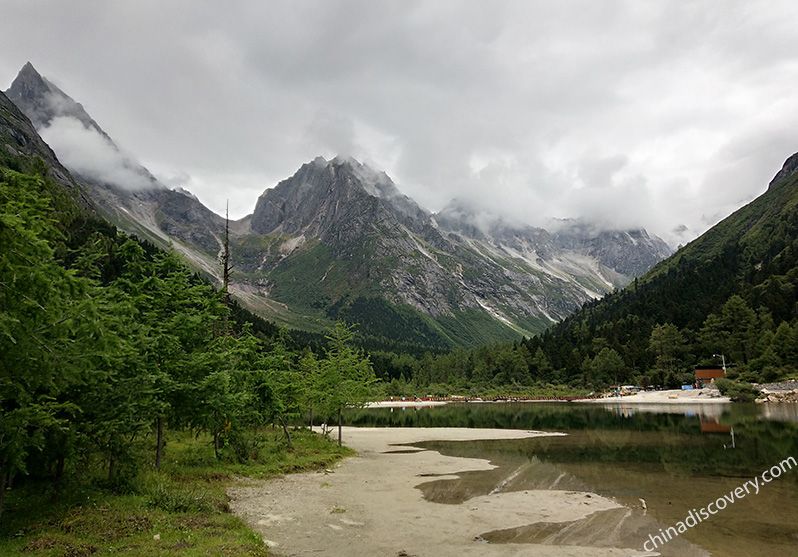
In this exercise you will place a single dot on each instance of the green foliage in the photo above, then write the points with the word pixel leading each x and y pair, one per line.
pixel 345 377
pixel 104 339
pixel 607 367
pixel 738 392
pixel 185 504
pixel 734 291
pixel 725 293
pixel 667 343
pixel 167 495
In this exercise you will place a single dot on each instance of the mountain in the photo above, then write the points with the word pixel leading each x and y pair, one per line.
pixel 21 147
pixel 42 101
pixel 124 191
pixel 344 242
pixel 727 292
pixel 338 240
pixel 621 254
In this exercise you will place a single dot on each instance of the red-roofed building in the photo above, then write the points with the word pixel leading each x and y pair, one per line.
pixel 704 375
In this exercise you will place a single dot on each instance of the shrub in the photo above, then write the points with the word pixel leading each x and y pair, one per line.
pixel 737 391
pixel 163 494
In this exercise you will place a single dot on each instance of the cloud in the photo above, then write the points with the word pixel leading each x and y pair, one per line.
pixel 656 114
pixel 90 154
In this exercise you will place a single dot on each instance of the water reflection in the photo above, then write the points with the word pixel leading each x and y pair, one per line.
pixel 673 458
pixel 688 410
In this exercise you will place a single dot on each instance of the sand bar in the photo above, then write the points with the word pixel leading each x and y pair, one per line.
pixel 369 505
pixel 673 396
pixel 406 403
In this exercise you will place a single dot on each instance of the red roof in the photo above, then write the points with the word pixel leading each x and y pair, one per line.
pixel 709 373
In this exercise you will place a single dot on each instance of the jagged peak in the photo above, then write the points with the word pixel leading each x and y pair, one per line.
pixel 375 183
pixel 789 168
pixel 42 101
pixel 29 70
pixel 28 82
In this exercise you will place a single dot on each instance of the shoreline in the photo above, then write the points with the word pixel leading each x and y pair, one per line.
pixel 672 396
pixel 369 504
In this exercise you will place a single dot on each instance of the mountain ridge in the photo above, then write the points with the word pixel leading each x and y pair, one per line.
pixel 747 264
pixel 338 239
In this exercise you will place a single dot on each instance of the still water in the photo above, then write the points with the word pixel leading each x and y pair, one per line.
pixel 673 458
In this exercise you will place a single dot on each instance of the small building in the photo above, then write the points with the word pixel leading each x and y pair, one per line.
pixel 707 375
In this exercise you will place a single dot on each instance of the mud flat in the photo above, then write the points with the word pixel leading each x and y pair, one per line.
pixel 369 504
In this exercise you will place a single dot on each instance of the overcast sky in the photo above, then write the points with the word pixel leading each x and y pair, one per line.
pixel 654 114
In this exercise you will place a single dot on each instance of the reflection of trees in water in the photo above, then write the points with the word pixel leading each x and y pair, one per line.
pixel 673 472
pixel 669 442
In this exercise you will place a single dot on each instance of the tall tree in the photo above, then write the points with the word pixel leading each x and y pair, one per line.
pixel 347 377
pixel 667 344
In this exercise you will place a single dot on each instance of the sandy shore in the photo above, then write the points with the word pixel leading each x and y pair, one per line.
pixel 674 396
pixel 369 505
pixel 406 403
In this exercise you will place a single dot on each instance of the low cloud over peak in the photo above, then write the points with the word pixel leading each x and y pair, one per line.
pixel 94 156
pixel 631 114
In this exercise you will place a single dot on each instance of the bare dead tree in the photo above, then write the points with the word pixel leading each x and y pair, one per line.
pixel 226 266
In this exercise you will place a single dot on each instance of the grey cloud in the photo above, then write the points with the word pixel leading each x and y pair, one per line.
pixel 87 152
pixel 627 113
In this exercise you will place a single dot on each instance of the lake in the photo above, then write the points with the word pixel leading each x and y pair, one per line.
pixel 674 458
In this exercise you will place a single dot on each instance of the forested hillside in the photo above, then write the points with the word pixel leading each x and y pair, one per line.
pixel 109 347
pixel 733 291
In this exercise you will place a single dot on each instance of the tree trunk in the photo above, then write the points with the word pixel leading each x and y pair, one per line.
pixel 311 418
pixel 2 488
pixel 339 427
pixel 60 464
pixel 110 468
pixel 158 442
pixel 216 445
pixel 285 431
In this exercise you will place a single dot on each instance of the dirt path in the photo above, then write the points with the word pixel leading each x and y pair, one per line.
pixel 369 506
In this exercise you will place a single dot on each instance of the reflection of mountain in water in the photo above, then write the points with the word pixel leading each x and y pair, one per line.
pixel 628 526
pixel 661 457
pixel 622 527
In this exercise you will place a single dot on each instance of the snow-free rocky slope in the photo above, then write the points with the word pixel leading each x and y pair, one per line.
pixel 339 240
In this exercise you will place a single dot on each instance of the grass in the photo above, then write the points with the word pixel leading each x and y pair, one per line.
pixel 181 510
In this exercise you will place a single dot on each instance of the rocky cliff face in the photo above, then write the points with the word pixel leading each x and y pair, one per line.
pixel 447 266
pixel 339 240
pixel 42 101
pixel 629 252
pixel 19 140
pixel 789 168
pixel 146 208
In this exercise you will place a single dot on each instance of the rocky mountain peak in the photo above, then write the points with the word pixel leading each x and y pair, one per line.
pixel 790 167
pixel 29 82
pixel 321 192
pixel 42 101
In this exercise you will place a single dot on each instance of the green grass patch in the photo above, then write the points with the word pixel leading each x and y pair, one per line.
pixel 180 510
